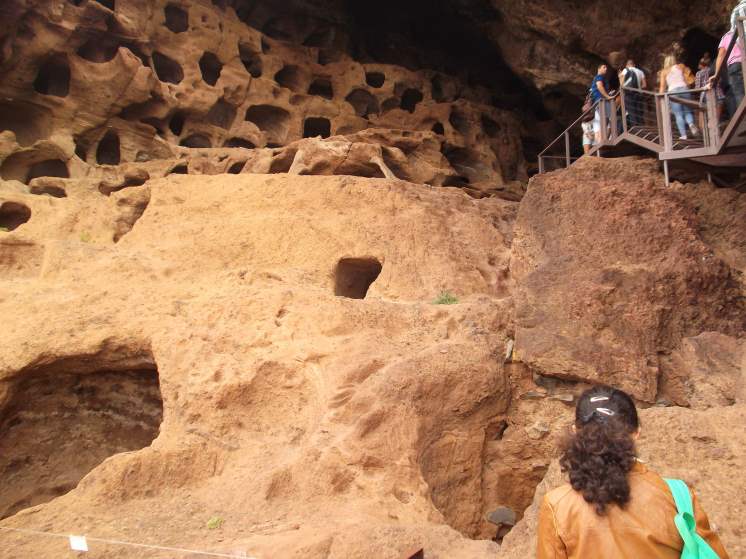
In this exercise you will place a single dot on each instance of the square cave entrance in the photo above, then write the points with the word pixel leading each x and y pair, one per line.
pixel 354 276
pixel 58 424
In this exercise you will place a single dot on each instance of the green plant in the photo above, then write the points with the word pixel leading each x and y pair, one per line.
pixel 85 237
pixel 445 298
pixel 4 230
pixel 214 523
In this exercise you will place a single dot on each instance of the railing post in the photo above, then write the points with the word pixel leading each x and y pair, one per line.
pixel 665 112
pixel 541 164
pixel 567 149
pixel 741 30
pixel 713 126
pixel 613 120
pixel 604 123
pixel 624 110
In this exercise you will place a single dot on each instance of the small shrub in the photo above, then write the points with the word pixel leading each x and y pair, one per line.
pixel 85 237
pixel 445 298
pixel 4 229
pixel 214 523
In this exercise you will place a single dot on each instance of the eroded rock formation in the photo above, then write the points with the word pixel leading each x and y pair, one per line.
pixel 225 228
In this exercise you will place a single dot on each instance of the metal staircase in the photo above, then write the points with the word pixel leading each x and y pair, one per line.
pixel 644 121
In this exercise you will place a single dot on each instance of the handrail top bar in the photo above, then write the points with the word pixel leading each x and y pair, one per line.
pixel 667 93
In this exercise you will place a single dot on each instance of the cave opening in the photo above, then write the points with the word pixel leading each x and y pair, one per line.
pixel 53 77
pixel 48 190
pixel 273 121
pixel 211 67
pixel 321 87
pixel 98 50
pixel 222 114
pixel 108 151
pixel 196 141
pixel 290 77
pixel 439 129
pixel 48 168
pixel 695 43
pixel 317 126
pixel 61 421
pixel 13 215
pixel 375 79
pixel 354 276
pixel 364 103
pixel 167 69
pixel 250 60
pixel 28 122
pixel 176 124
pixel 177 19
pixel 237 142
pixel 410 99
pixel 236 168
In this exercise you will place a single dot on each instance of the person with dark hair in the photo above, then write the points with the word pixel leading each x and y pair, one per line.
pixel 599 91
pixel 613 506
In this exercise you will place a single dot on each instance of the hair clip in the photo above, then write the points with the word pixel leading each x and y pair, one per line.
pixel 600 399
pixel 605 411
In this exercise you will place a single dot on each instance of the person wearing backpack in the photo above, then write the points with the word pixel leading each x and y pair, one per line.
pixel 614 506
pixel 632 77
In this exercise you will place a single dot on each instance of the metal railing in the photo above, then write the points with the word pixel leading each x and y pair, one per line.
pixel 660 122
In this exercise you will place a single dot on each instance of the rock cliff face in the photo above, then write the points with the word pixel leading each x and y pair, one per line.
pixel 274 283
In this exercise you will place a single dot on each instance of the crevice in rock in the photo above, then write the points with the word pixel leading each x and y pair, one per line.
pixel 236 168
pixel 490 127
pixel 110 4
pixel 131 206
pixel 177 19
pixel 13 215
pixel 211 67
pixel 317 126
pixel 167 69
pixel 237 142
pixel 438 128
pixel 48 190
pixel 282 162
pixel 53 77
pixel 354 276
pixel 176 123
pixel 59 423
pixel 180 169
pixel 108 151
pixel 459 121
pixel 364 103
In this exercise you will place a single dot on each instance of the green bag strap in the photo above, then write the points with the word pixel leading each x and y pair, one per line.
pixel 695 547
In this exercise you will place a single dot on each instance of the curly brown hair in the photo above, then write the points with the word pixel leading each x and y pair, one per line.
pixel 600 454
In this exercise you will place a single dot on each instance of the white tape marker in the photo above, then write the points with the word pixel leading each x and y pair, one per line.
pixel 78 543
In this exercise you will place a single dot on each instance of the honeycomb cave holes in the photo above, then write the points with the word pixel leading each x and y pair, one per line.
pixel 321 87
pixel 167 69
pixel 13 215
pixel 364 103
pixel 410 99
pixel 177 19
pixel 211 67
pixel 290 77
pixel 273 121
pixel 251 60
pixel 317 126
pixel 354 276
pixel 375 79
pixel 108 151
pixel 60 422
pixel 53 77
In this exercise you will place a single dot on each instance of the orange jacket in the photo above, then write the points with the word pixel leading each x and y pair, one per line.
pixel 569 528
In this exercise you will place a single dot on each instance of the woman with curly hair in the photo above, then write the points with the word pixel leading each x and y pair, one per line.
pixel 613 507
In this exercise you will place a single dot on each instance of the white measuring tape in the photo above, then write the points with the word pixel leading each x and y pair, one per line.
pixel 80 543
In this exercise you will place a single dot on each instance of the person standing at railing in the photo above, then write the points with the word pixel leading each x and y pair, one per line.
pixel 676 78
pixel 735 94
pixel 701 80
pixel 632 77
pixel 600 94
